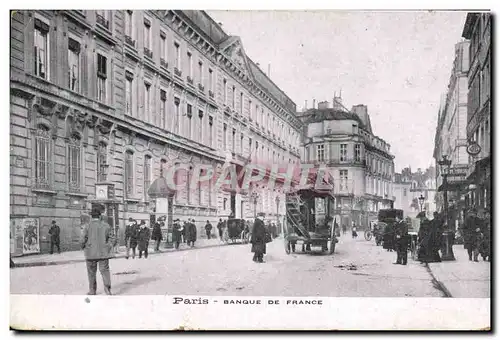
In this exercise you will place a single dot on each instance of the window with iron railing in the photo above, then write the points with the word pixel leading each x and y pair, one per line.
pixel 102 160
pixel 129 173
pixel 74 163
pixel 42 158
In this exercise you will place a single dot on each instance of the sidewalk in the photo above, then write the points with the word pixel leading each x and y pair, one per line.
pixel 77 256
pixel 463 278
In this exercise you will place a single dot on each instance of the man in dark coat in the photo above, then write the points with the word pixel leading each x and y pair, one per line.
pixel 429 239
pixel 471 234
pixel 55 240
pixel 157 236
pixel 389 236
pixel 259 239
pixel 176 233
pixel 220 228
pixel 144 235
pixel 208 229
pixel 190 232
pixel 401 241
pixel 97 241
pixel 131 235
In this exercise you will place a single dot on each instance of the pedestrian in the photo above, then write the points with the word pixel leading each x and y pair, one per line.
pixel 176 233
pixel 430 239
pixel 220 228
pixel 131 236
pixel 259 238
pixel 144 235
pixel 471 234
pixel 208 229
pixel 183 230
pixel 401 241
pixel 97 242
pixel 55 239
pixel 388 238
pixel 157 236
pixel 354 232
pixel 190 233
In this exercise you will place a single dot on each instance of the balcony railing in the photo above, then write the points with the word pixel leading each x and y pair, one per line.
pixel 163 63
pixel 129 41
pixel 148 53
pixel 201 88
pixel 190 80
pixel 177 72
pixel 102 21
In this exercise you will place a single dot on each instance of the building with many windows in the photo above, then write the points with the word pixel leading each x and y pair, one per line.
pixel 104 102
pixel 410 187
pixel 362 165
pixel 451 132
pixel 477 29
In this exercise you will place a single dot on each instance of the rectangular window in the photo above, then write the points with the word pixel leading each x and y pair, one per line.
pixel 128 93
pixel 102 162
pixel 233 141
pixel 200 126
pixel 74 165
pixel 189 116
pixel 42 158
pixel 210 131
pixel 129 22
pixel 250 146
pixel 41 51
pixel 224 84
pixel 343 180
pixel 241 144
pixel 147 102
pixel 200 72
pixel 320 152
pixel 241 102
pixel 177 56
pixel 147 34
pixel 73 65
pixel 177 115
pixel 210 80
pixel 224 136
pixel 234 97
pixel 102 76
pixel 343 152
pixel 190 65
pixel 163 108
pixel 250 113
pixel 129 173
pixel 147 176
pixel 163 46
pixel 357 152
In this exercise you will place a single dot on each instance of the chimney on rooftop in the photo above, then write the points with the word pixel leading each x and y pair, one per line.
pixel 314 103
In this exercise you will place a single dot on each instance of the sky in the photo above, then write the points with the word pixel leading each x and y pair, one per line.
pixel 397 63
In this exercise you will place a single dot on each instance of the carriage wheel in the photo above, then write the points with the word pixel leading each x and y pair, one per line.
pixel 368 235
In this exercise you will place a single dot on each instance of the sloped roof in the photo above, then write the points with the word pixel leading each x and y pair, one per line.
pixel 319 115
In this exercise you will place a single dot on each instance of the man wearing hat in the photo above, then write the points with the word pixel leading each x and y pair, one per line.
pixel 176 233
pixel 97 242
pixel 131 236
pixel 259 238
pixel 472 230
pixel 54 233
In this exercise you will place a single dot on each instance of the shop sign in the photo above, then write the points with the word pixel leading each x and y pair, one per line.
pixel 473 149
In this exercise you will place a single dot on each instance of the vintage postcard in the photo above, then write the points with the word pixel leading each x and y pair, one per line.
pixel 250 170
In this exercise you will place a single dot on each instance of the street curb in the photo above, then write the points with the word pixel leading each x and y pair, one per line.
pixel 120 256
pixel 438 284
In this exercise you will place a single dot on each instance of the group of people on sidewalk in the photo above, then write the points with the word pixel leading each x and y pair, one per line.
pixel 185 233
pixel 477 235
pixel 138 235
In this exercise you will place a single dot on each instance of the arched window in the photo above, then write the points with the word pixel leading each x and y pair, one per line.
pixel 102 160
pixel 147 175
pixel 129 173
pixel 74 163
pixel 42 157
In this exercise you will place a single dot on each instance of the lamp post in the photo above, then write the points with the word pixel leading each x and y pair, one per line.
pixel 421 200
pixel 448 235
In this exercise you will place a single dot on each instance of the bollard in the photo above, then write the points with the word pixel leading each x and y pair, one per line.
pixel 447 249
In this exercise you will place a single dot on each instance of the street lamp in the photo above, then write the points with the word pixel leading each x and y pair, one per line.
pixel 421 200
pixel 448 235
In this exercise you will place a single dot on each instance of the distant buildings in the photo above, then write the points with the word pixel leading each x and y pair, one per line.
pixel 410 186
pixel 362 163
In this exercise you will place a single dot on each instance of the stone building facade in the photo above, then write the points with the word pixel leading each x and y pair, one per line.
pixel 112 99
pixel 410 186
pixel 362 165
pixel 477 29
